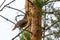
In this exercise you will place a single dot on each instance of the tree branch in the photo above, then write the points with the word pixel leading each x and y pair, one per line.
pixel 20 33
pixel 51 34
pixel 52 25
pixel 2 3
pixel 16 9
pixel 7 19
pixel 7 4
pixel 50 12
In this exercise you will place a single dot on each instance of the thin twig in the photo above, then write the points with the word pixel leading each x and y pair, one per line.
pixel 52 25
pixel 51 34
pixel 2 3
pixel 16 9
pixel 7 4
pixel 7 19
pixel 20 33
pixel 50 12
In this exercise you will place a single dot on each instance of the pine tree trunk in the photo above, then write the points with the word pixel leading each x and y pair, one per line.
pixel 28 17
pixel 36 28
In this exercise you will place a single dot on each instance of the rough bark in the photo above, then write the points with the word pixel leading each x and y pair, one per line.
pixel 28 18
pixel 36 25
pixel 36 28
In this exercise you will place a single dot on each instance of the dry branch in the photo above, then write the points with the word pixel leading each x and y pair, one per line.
pixel 2 3
pixel 16 9
pixel 7 19
pixel 7 4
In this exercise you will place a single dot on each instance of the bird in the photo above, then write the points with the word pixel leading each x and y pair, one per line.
pixel 20 24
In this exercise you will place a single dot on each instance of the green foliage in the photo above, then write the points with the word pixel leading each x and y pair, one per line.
pixel 48 38
pixel 22 37
pixel 26 35
pixel 57 35
pixel 40 3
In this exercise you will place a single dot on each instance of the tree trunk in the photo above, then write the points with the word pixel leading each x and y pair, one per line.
pixel 28 17
pixel 36 28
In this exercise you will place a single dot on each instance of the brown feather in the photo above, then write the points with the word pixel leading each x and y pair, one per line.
pixel 21 23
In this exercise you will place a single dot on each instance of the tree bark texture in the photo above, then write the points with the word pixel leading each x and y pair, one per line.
pixel 35 17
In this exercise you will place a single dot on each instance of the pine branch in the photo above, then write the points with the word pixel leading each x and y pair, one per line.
pixel 20 33
pixel 45 29
pixel 52 25
pixel 50 12
pixel 51 34
pixel 55 0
